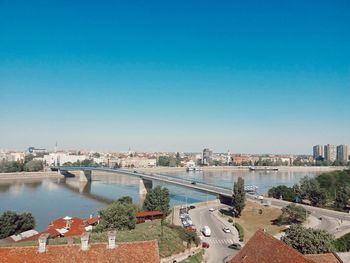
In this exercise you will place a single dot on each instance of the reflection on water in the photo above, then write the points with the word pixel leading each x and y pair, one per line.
pixel 48 199
pixel 263 180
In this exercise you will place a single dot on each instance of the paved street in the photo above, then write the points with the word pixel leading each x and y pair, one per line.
pixel 219 240
pixel 334 222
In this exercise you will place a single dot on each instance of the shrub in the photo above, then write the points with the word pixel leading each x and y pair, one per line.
pixel 342 244
pixel 240 231
pixel 230 220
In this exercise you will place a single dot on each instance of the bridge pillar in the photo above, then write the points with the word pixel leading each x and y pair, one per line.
pixel 144 186
pixel 84 187
pixel 85 176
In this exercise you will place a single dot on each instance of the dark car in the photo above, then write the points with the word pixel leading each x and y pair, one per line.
pixel 193 182
pixel 205 245
pixel 235 246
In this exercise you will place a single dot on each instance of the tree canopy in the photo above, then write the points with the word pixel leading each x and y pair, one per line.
pixel 282 191
pixel 292 214
pixel 238 196
pixel 12 223
pixel 308 240
pixel 118 215
pixel 158 198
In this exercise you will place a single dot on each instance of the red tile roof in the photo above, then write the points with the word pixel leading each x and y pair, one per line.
pixel 149 213
pixel 264 248
pixel 323 258
pixel 92 220
pixel 135 252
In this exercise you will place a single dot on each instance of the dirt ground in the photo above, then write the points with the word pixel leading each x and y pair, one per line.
pixel 251 220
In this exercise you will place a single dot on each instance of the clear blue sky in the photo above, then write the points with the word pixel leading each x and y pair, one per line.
pixel 248 76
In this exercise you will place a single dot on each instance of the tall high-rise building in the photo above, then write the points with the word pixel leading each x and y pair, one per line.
pixel 342 153
pixel 207 156
pixel 318 152
pixel 330 153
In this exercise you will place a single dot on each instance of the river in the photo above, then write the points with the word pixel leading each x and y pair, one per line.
pixel 48 199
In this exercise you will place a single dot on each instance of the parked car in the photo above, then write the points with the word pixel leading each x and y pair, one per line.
pixel 189 221
pixel 211 209
pixel 235 246
pixel 193 182
pixel 226 230
pixel 185 223
pixel 182 216
pixel 205 245
pixel 192 207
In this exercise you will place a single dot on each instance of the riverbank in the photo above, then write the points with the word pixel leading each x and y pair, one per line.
pixel 29 175
pixel 55 175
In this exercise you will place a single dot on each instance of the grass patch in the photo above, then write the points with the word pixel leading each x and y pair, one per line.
pixel 170 243
pixel 240 231
pixel 198 258
pixel 251 220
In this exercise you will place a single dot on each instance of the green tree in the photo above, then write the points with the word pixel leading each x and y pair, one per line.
pixel 308 240
pixel 287 193
pixel 238 196
pixel 158 198
pixel 292 214
pixel 125 200
pixel 342 244
pixel 118 215
pixel 163 161
pixel 310 190
pixel 12 223
pixel 33 166
pixel 342 197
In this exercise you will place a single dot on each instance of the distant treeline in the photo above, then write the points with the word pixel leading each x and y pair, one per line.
pixel 29 165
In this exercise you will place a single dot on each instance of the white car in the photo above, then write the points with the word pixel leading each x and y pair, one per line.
pixel 206 231
pixel 226 230
pixel 211 209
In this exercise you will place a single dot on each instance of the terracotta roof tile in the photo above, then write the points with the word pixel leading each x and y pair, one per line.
pixel 264 248
pixel 135 252
pixel 323 258
pixel 149 213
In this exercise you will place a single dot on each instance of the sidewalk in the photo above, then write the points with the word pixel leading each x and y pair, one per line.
pixel 224 221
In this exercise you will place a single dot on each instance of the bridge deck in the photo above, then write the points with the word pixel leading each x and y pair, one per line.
pixel 198 186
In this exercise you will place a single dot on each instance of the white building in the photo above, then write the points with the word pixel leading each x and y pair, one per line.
pixel 62 158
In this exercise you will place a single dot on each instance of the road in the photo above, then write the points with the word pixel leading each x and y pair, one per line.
pixel 334 222
pixel 219 240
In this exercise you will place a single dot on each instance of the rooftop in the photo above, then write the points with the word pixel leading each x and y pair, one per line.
pixel 136 252
pixel 264 248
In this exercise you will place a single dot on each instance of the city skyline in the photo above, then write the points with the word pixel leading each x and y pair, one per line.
pixel 246 77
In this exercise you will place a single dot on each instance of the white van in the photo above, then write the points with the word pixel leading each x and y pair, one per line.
pixel 206 231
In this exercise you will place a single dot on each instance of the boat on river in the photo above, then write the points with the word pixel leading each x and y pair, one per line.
pixel 262 168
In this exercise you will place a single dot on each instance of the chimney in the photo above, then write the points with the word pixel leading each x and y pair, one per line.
pixel 43 243
pixel 111 239
pixel 85 241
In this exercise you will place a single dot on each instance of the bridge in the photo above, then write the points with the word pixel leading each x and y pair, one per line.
pixel 146 179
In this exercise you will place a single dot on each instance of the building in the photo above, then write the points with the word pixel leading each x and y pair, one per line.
pixel 318 152
pixel 61 158
pixel 330 153
pixel 264 248
pixel 342 153
pixel 207 156
pixel 33 150
pixel 66 227
pixel 136 252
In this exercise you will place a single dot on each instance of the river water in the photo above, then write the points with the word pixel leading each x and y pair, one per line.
pixel 48 199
